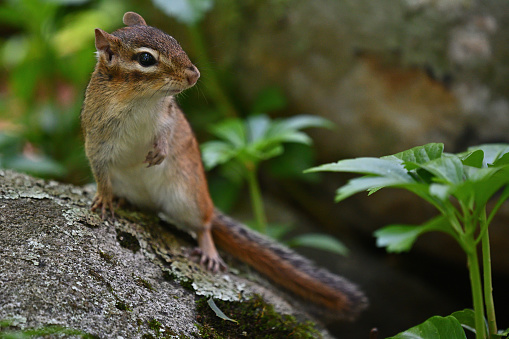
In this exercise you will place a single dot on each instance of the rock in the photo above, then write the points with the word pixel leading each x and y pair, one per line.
pixel 61 265
pixel 391 75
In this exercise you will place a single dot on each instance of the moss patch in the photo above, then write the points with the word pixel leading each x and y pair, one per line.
pixel 109 258
pixel 9 330
pixel 143 283
pixel 255 319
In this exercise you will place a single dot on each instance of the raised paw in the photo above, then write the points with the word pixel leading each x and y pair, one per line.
pixel 103 202
pixel 156 156
pixel 212 263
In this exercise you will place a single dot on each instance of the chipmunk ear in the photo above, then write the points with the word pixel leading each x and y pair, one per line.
pixel 103 42
pixel 132 19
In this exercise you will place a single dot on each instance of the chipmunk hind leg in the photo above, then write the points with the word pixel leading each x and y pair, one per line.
pixel 207 252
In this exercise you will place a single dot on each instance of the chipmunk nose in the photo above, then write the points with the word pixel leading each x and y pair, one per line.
pixel 192 75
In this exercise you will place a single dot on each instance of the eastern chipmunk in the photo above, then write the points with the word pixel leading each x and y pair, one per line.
pixel 142 149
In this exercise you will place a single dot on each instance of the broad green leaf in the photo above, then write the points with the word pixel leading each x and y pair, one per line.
pixel 216 153
pixel 435 328
pixel 472 158
pixel 482 185
pixel 319 241
pixel 502 160
pixel 268 151
pixel 290 136
pixel 419 155
pixel 466 318
pixel 218 312
pixel 277 231
pixel 366 183
pixel 307 121
pixel 256 127
pixel 492 152
pixel 372 166
pixel 43 166
pixel 448 168
pixel 400 238
pixel 440 191
pixel 231 130
pixel 186 11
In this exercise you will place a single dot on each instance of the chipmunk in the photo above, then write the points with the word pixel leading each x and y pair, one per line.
pixel 141 148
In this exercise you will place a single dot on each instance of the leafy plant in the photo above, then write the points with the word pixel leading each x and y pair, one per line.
pixel 244 144
pixel 459 186
pixel 48 59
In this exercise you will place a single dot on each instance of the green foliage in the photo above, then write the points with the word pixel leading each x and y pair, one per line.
pixel 435 328
pixel 244 144
pixel 256 139
pixel 459 186
pixel 49 58
pixel 322 242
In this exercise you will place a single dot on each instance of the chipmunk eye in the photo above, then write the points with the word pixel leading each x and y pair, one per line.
pixel 146 59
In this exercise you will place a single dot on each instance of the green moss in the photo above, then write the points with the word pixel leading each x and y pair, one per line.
pixel 122 306
pixel 143 283
pixel 255 319
pixel 187 284
pixel 154 325
pixel 127 240
pixel 9 330
pixel 107 257
pixel 169 276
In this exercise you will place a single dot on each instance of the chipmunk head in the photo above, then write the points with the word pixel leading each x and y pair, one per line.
pixel 143 60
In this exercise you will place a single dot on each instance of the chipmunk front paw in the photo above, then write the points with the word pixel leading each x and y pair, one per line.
pixel 156 156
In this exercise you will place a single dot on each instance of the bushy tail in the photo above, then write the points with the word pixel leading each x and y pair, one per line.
pixel 288 269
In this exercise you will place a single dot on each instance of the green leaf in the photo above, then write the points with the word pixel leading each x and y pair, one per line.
pixel 482 185
pixel 218 312
pixel 419 155
pixel 466 319
pixel 370 183
pixel 440 191
pixel 435 328
pixel 232 131
pixel 372 166
pixel 278 231
pixel 448 168
pixel 502 160
pixel 216 153
pixel 492 152
pixel 186 11
pixel 472 158
pixel 400 238
pixel 322 242
pixel 42 166
pixel 256 127
pixel 307 121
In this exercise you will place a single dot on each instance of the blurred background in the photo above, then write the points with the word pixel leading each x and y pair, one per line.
pixel 389 74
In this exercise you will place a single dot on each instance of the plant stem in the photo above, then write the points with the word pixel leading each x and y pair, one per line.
pixel 256 200
pixel 477 295
pixel 213 86
pixel 488 287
